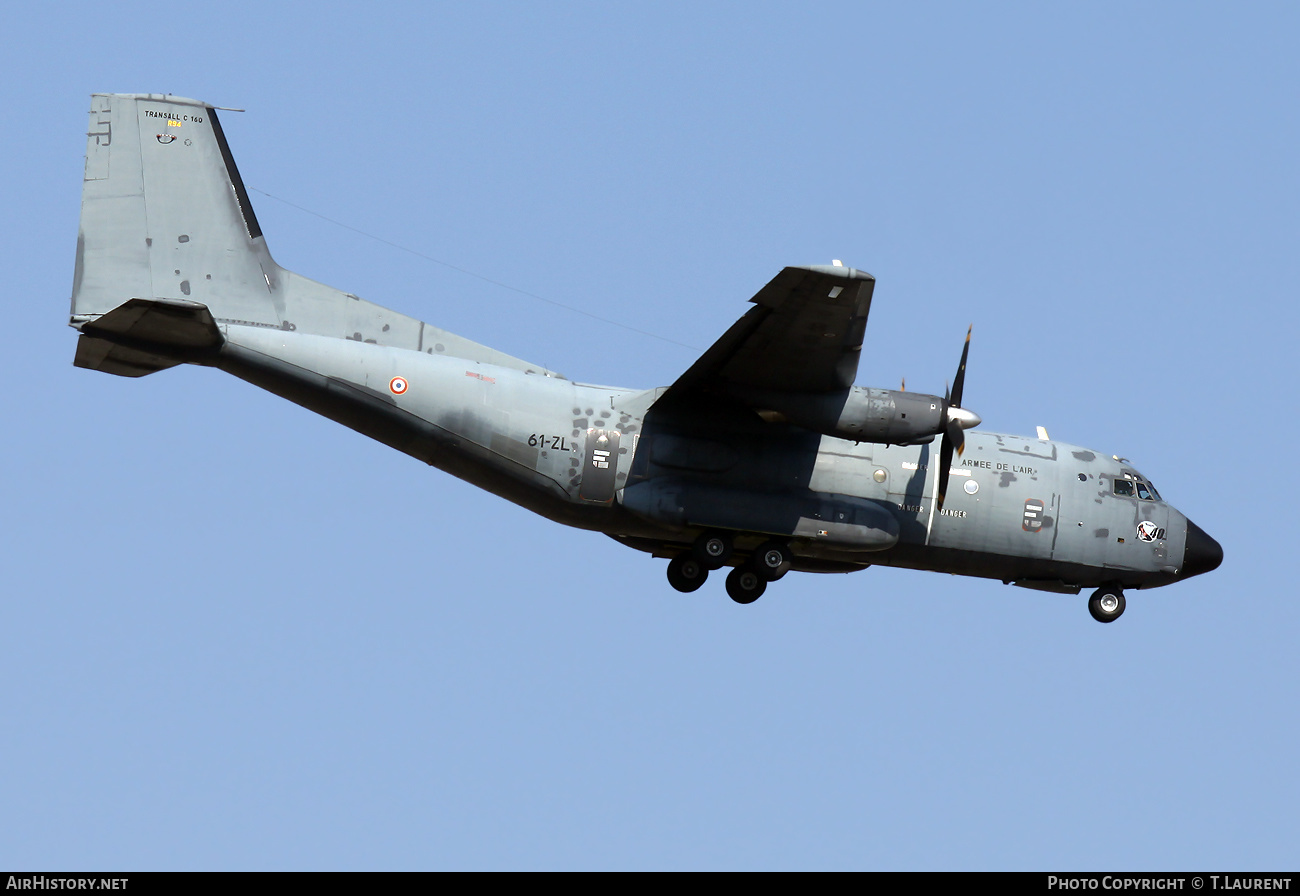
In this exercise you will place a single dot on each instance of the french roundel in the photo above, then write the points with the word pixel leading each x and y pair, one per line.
pixel 398 385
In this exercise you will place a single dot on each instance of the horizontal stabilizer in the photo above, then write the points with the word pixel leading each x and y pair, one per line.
pixel 141 336
pixel 104 356
pixel 164 322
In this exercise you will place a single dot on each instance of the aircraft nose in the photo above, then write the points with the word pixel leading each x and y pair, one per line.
pixel 1201 554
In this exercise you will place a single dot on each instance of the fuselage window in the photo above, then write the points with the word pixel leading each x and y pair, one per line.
pixel 1124 487
pixel 1144 491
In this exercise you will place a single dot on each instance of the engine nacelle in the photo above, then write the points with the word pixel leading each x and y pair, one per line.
pixel 858 414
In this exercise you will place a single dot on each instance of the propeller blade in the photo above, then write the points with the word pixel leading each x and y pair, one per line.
pixel 959 381
pixel 956 434
pixel 958 420
pixel 945 463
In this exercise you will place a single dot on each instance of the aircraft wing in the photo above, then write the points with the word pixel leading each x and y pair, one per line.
pixel 805 335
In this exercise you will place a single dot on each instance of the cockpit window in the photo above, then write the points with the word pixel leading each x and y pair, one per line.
pixel 1130 486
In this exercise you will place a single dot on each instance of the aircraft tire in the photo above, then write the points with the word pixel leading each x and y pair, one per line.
pixel 1106 604
pixel 713 549
pixel 772 560
pixel 686 574
pixel 745 585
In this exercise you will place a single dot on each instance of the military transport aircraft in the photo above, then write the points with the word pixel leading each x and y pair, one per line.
pixel 763 456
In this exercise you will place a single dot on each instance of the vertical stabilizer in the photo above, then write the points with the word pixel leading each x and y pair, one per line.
pixel 165 218
pixel 164 213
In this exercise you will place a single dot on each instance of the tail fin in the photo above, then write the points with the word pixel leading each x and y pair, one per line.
pixel 164 214
pixel 165 219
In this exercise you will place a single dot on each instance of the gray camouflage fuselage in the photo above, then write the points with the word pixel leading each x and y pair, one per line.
pixel 476 421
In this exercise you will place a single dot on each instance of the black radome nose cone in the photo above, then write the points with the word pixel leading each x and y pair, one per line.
pixel 1202 552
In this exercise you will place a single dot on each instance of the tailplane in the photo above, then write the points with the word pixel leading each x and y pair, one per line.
pixel 142 336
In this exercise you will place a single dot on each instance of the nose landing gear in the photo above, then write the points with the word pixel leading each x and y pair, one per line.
pixel 1106 603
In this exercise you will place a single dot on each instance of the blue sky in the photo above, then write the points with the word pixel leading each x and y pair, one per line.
pixel 239 636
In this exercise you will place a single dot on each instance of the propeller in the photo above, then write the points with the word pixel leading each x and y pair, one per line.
pixel 958 419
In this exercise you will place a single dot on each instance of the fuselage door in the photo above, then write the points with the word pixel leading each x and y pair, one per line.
pixel 600 466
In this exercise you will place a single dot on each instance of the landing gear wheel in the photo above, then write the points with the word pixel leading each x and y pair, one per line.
pixel 745 585
pixel 713 549
pixel 685 573
pixel 1106 604
pixel 772 560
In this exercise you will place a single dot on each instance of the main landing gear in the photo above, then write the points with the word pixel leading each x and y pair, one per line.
pixel 746 583
pixel 686 574
pixel 688 570
pixel 713 549
pixel 1106 603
